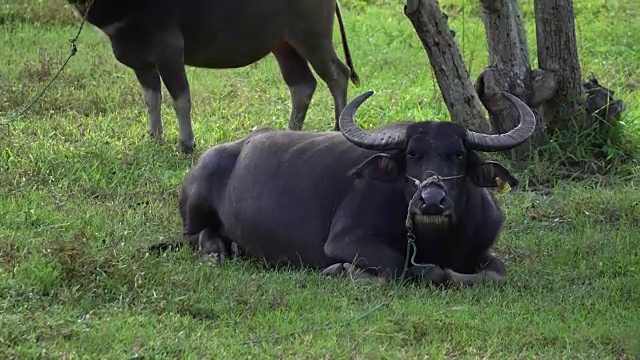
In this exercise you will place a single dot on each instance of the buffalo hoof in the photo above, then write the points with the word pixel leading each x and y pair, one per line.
pixel 334 269
pixel 430 273
pixel 353 271
pixel 187 146
pixel 485 277
pixel 157 136
pixel 235 251
pixel 496 278
pixel 215 258
pixel 212 247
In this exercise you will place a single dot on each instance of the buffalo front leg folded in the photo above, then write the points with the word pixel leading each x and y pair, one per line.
pixel 152 92
pixel 173 75
pixel 393 267
pixel 355 272
pixel 373 255
pixel 364 256
pixel 429 273
pixel 491 270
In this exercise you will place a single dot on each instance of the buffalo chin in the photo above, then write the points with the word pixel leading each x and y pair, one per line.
pixel 441 221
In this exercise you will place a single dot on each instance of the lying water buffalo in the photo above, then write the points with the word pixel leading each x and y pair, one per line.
pixel 356 199
pixel 156 38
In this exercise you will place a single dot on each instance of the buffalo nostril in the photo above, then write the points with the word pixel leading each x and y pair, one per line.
pixel 430 209
pixel 434 201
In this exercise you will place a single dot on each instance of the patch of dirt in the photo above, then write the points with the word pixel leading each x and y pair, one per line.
pixel 9 254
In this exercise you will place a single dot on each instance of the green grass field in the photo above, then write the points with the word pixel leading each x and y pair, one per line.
pixel 84 191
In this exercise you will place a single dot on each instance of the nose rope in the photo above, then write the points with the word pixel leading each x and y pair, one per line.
pixel 433 179
pixel 411 238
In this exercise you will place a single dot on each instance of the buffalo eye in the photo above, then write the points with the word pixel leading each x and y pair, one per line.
pixel 411 155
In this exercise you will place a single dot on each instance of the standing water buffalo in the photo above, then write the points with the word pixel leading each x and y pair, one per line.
pixel 345 201
pixel 156 38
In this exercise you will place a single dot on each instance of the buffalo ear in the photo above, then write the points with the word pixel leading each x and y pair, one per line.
pixel 381 167
pixel 491 174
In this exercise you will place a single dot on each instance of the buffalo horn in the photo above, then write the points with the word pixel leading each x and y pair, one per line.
pixel 381 140
pixel 509 140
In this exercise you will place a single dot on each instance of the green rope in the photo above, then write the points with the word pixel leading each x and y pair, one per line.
pixel 74 50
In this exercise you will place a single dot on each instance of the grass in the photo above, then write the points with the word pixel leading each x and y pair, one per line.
pixel 84 191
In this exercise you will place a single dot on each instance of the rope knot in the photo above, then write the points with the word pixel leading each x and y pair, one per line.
pixel 74 46
pixel 433 179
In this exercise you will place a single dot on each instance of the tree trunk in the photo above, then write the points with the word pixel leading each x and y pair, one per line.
pixel 451 73
pixel 509 70
pixel 558 52
pixel 554 92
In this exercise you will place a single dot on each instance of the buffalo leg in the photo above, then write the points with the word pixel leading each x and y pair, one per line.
pixel 430 273
pixel 491 270
pixel 374 255
pixel 174 77
pixel 299 79
pixel 212 247
pixel 332 71
pixel 152 91
pixel 355 272
pixel 368 254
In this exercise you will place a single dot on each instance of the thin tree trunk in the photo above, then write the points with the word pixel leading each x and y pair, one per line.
pixel 510 70
pixel 558 52
pixel 451 73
